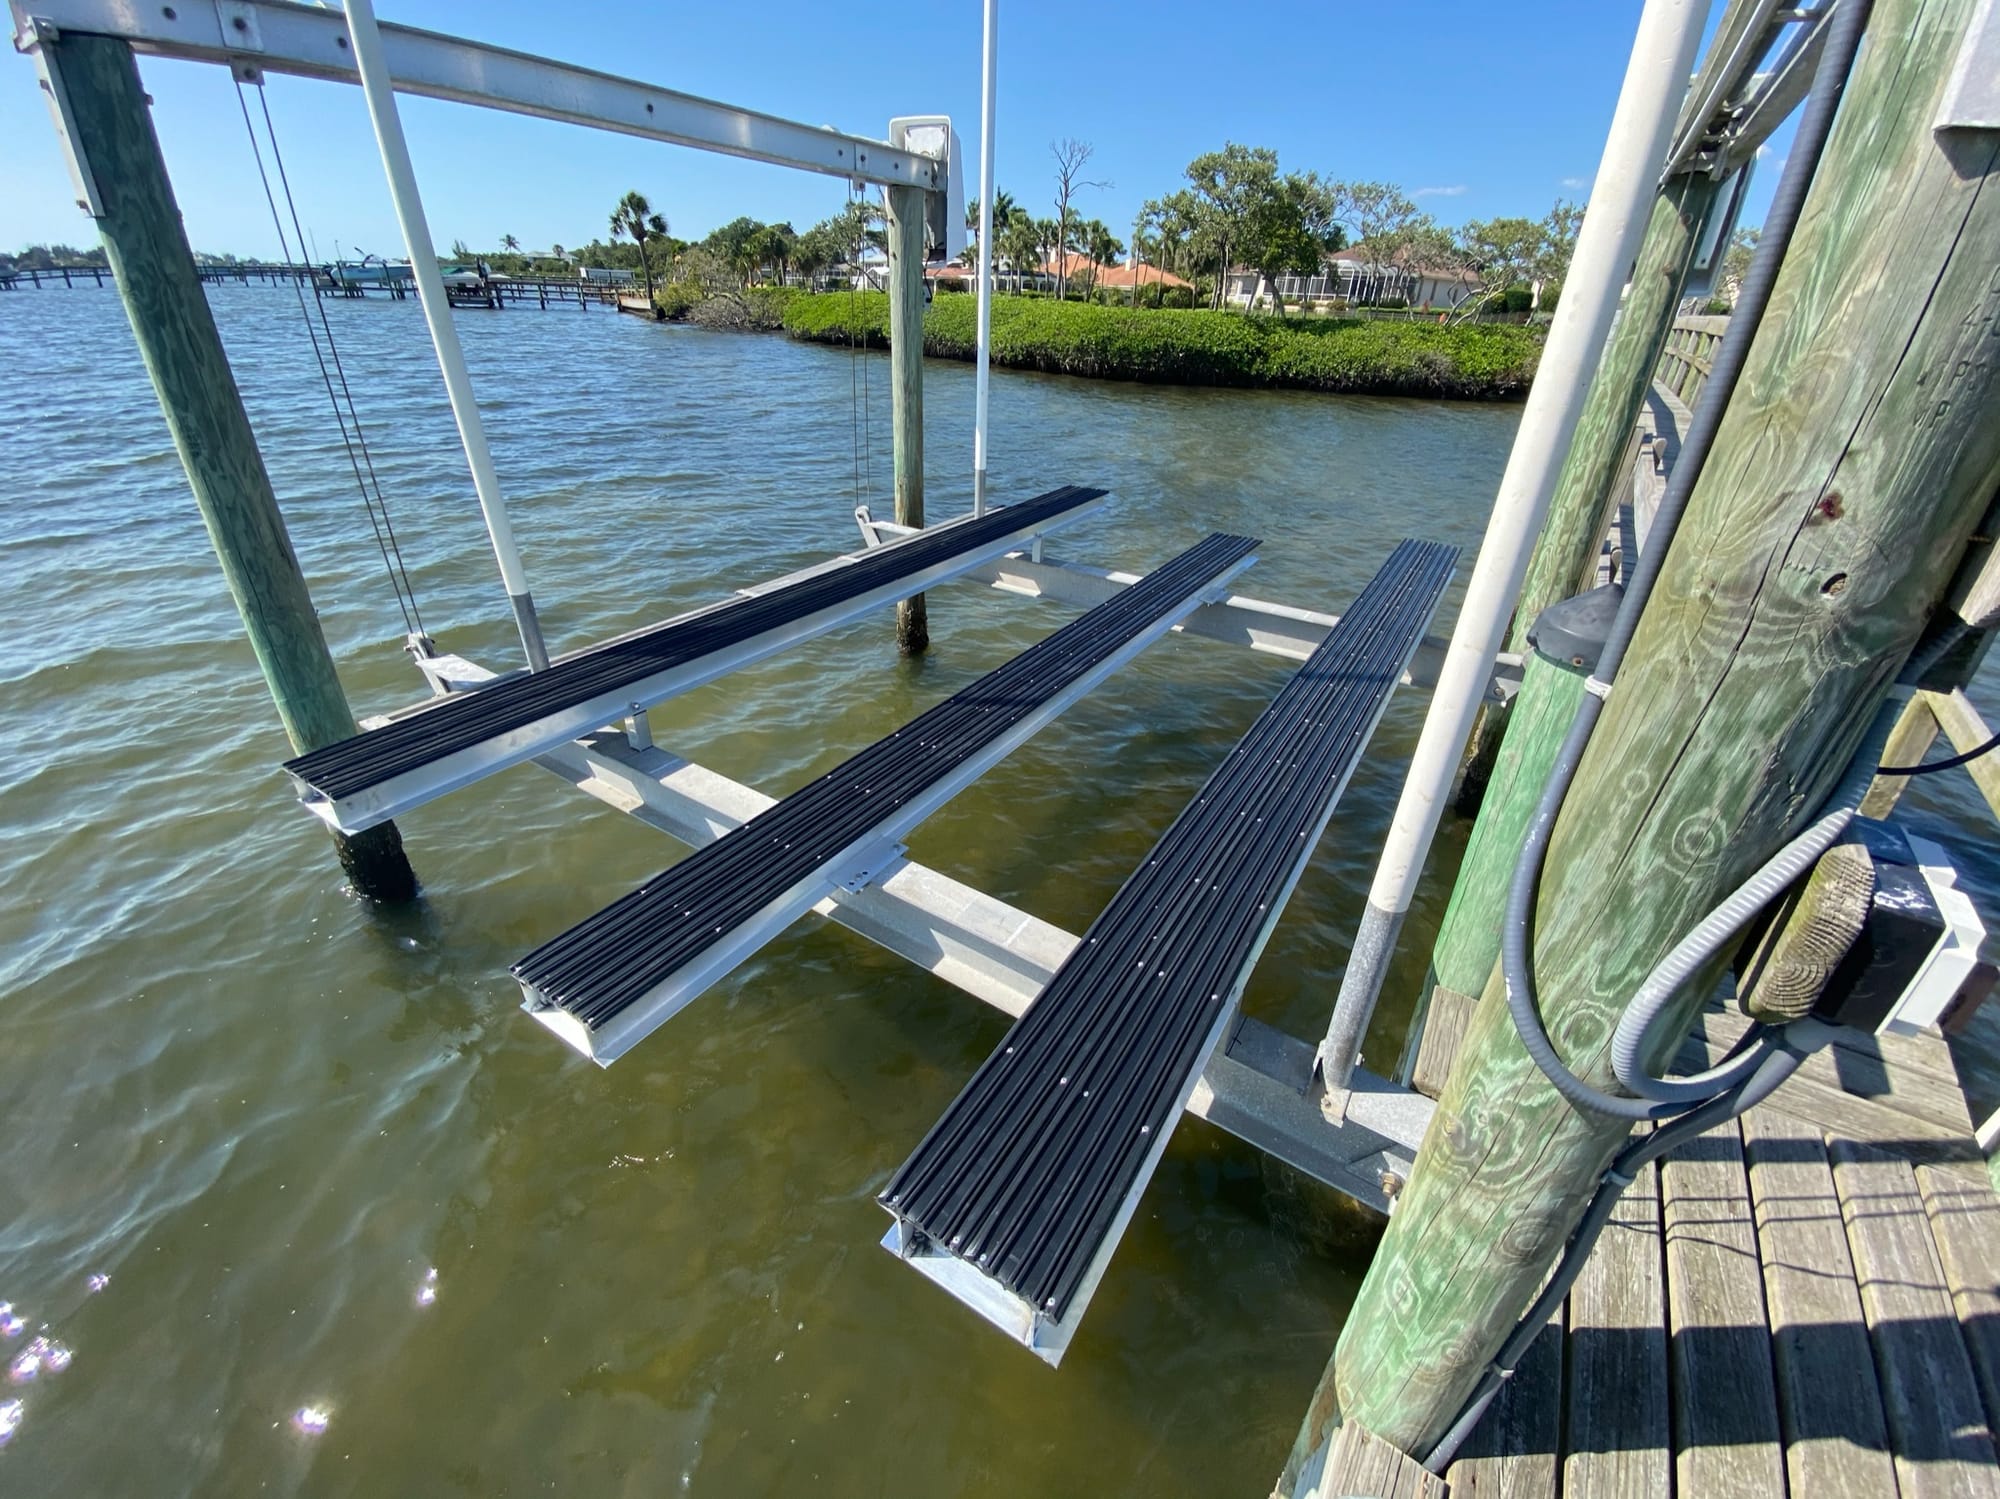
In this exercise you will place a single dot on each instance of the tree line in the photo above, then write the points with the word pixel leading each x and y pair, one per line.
pixel 1237 210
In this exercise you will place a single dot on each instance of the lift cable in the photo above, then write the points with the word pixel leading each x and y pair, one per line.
pixel 345 414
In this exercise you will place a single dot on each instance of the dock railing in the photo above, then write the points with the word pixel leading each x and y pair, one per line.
pixel 1690 350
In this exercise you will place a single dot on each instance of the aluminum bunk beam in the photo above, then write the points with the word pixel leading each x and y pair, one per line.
pixel 611 980
pixel 378 775
pixel 1016 1199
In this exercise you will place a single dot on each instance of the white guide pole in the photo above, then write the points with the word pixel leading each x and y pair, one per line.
pixel 1656 80
pixel 375 84
pixel 982 378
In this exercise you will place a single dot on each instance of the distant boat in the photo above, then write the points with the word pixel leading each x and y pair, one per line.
pixel 373 270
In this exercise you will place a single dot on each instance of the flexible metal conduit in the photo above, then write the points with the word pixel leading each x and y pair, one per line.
pixel 1761 1062
pixel 1773 1067
pixel 1517 933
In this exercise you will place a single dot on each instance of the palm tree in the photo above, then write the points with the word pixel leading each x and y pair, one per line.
pixel 1003 211
pixel 635 216
pixel 1101 247
pixel 509 243
pixel 1019 241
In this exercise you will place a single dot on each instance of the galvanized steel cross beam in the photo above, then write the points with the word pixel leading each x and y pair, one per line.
pixel 307 41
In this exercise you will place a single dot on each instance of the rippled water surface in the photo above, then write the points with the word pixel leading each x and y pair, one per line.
pixel 266 1113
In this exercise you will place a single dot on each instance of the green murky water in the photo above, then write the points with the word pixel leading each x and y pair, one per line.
pixel 265 1112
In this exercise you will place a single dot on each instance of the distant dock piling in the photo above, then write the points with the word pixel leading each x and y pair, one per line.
pixel 906 377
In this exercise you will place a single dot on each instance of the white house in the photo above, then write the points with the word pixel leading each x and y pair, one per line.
pixel 1358 275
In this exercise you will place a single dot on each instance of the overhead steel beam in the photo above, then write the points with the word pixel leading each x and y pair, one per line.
pixel 1773 96
pixel 310 42
pixel 1734 109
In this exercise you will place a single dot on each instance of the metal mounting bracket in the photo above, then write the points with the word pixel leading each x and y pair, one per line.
pixel 873 865
pixel 1972 96
pixel 34 39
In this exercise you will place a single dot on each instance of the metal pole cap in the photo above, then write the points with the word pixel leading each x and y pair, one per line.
pixel 1572 632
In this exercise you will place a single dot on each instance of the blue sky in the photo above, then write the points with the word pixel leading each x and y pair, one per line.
pixel 1478 109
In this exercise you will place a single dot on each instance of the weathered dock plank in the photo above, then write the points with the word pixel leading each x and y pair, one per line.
pixel 1965 1227
pixel 1937 1426
pixel 1361 1463
pixel 1902 1112
pixel 1918 1086
pixel 1725 1400
pixel 1617 1434
pixel 1829 1401
pixel 1513 1453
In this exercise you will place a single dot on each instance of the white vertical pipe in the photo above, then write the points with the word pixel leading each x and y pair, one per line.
pixel 376 85
pixel 1656 80
pixel 982 379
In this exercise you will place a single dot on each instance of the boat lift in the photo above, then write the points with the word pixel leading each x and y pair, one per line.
pixel 1165 1036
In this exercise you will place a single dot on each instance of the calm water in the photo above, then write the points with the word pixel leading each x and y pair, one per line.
pixel 266 1112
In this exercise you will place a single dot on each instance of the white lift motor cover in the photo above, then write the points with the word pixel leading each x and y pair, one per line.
pixel 944 213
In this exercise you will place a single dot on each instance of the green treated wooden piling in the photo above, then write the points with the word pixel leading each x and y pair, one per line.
pixel 1859 453
pixel 1565 556
pixel 156 277
pixel 1468 940
pixel 1598 462
pixel 906 379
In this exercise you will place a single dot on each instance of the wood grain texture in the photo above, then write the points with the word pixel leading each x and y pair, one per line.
pixel 1965 1227
pixel 1910 740
pixel 1362 1463
pixel 1514 1452
pixel 1725 1400
pixel 171 323
pixel 1862 1087
pixel 1616 1442
pixel 1862 446
pixel 1468 940
pixel 1829 1403
pixel 1439 1032
pixel 1937 1425
pixel 1594 469
pixel 1815 926
pixel 906 385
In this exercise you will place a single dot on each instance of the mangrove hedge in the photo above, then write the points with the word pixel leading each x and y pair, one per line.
pixel 1467 361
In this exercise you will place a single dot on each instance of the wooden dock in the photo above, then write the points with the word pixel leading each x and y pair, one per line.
pixel 1803 1304
pixel 496 292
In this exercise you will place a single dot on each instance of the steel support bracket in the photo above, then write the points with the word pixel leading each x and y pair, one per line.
pixel 34 38
pixel 874 864
pixel 1972 96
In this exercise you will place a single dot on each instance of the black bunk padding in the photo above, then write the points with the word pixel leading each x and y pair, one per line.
pixel 613 959
pixel 459 722
pixel 1024 1174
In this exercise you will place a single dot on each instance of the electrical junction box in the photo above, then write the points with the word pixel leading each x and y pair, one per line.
pixel 944 213
pixel 1916 963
